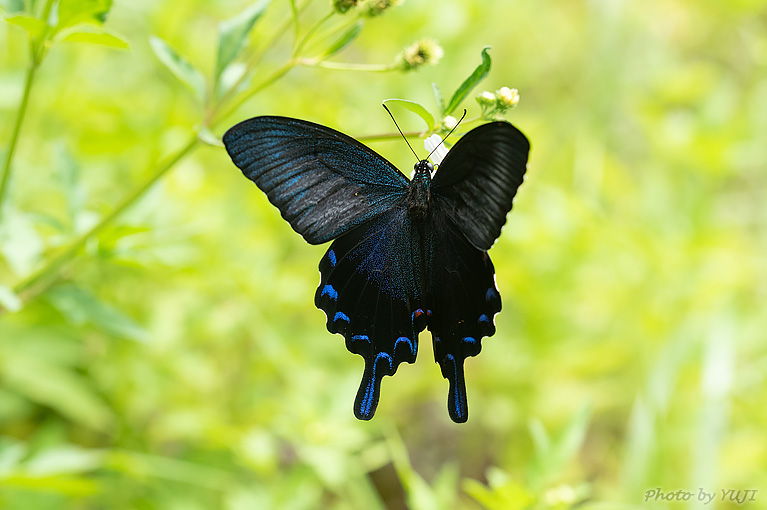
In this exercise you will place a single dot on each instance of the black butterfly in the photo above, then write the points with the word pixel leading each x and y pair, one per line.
pixel 407 254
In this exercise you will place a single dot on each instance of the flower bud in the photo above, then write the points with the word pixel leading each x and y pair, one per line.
pixel 486 99
pixel 377 7
pixel 341 6
pixel 425 51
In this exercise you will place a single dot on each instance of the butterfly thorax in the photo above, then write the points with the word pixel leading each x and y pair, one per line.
pixel 419 192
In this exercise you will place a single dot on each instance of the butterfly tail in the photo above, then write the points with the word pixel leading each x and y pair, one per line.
pixel 370 388
pixel 452 370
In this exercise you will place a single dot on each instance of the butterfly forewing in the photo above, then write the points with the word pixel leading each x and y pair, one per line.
pixel 323 182
pixel 479 178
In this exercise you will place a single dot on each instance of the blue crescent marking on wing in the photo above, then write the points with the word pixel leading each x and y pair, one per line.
pixel 329 291
pixel 332 258
pixel 361 337
pixel 407 341
pixel 341 316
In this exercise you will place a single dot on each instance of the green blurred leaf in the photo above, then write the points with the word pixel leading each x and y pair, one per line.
pixel 12 5
pixel 469 83
pixel 73 12
pixel 20 242
pixel 439 98
pixel 415 108
pixel 232 34
pixel 504 492
pixel 64 459
pixel 345 40
pixel 552 455
pixel 59 388
pixel 9 300
pixel 180 67
pixel 11 454
pixel 81 307
pixel 32 25
pixel 93 35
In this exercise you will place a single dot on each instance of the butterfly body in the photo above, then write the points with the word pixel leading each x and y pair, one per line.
pixel 406 254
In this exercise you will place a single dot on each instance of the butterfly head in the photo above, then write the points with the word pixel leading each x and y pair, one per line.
pixel 424 169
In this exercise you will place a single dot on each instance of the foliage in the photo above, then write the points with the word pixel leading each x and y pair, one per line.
pixel 159 347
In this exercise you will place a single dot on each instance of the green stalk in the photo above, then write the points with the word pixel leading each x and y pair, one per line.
pixel 15 135
pixel 279 73
pixel 388 136
pixel 42 278
pixel 346 66
pixel 36 54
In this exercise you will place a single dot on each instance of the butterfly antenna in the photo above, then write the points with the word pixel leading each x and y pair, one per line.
pixel 451 132
pixel 403 134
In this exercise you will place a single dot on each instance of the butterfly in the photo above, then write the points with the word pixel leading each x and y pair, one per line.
pixel 407 254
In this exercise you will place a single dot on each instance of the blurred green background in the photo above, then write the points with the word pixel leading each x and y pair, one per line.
pixel 171 357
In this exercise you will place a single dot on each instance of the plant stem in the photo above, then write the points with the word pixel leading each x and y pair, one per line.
pixel 15 134
pixel 42 278
pixel 388 136
pixel 279 73
pixel 346 66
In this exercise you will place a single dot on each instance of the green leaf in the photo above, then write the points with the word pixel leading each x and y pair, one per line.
pixel 54 386
pixel 81 307
pixel 12 5
pixel 9 300
pixel 11 454
pixel 415 108
pixel 346 39
pixel 73 12
pixel 469 83
pixel 64 459
pixel 233 32
pixel 20 243
pixel 179 66
pixel 439 98
pixel 33 26
pixel 93 35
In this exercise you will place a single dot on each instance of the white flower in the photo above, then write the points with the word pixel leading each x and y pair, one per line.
pixel 435 142
pixel 449 122
pixel 509 97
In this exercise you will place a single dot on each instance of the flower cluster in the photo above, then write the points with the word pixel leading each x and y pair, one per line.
pixel 494 106
pixel 420 53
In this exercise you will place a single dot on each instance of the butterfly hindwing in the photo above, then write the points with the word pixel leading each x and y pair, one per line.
pixel 479 178
pixel 323 182
pixel 369 289
pixel 463 301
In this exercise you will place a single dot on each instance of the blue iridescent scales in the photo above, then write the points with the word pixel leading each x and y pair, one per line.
pixel 406 254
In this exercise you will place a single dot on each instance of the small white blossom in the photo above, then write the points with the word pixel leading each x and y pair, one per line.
pixel 435 142
pixel 487 97
pixel 509 97
pixel 449 122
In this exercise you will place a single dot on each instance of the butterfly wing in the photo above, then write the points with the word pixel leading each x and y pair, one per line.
pixel 463 301
pixel 323 182
pixel 370 289
pixel 479 178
